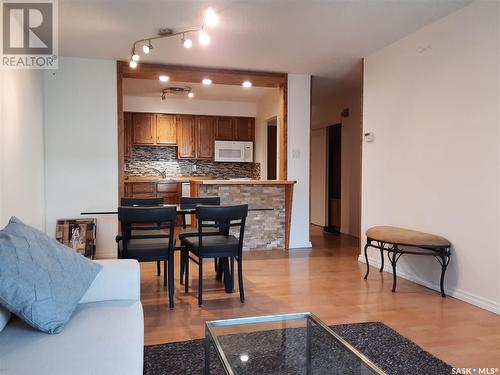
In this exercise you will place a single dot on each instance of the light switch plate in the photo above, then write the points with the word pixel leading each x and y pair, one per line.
pixel 369 137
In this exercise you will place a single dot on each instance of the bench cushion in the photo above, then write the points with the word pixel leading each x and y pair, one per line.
pixel 404 236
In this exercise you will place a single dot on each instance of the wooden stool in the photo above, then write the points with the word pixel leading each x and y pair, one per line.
pixel 392 239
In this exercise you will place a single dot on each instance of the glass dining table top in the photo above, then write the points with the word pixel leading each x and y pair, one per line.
pixel 282 344
pixel 180 210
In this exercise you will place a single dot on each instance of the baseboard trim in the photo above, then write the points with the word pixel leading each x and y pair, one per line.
pixel 305 245
pixel 462 295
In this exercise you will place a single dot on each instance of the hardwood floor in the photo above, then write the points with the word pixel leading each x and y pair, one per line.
pixel 327 280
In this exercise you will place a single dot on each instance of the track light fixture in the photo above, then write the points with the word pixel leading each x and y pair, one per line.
pixel 210 19
pixel 147 48
pixel 188 43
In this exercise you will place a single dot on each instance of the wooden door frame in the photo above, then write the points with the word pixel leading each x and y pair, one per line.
pixel 181 73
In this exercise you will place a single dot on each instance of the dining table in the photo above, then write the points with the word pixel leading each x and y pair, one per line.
pixel 228 281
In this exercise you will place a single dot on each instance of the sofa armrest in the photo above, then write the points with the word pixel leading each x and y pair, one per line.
pixel 117 280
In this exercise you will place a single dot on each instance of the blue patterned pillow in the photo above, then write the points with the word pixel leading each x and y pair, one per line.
pixel 41 280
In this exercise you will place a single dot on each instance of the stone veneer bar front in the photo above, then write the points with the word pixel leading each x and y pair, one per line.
pixel 265 229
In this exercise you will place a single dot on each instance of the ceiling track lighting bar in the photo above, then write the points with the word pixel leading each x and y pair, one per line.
pixel 211 19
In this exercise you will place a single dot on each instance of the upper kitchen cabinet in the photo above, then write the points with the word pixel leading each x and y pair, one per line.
pixel 166 130
pixel 143 128
pixel 224 128
pixel 205 137
pixel 244 129
pixel 127 136
pixel 186 137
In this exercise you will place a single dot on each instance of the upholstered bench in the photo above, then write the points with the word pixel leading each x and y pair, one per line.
pixel 399 241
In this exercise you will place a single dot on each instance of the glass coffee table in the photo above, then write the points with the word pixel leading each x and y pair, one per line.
pixel 282 344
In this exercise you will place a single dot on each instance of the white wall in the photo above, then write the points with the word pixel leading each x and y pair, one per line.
pixel 318 177
pixel 432 100
pixel 81 145
pixel 191 106
pixel 325 112
pixel 299 103
pixel 21 147
pixel 267 108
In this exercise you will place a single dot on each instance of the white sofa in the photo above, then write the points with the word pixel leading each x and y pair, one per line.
pixel 104 336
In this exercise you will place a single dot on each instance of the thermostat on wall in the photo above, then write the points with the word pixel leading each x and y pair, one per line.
pixel 369 137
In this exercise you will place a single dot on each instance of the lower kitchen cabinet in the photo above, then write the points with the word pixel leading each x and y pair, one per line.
pixel 170 192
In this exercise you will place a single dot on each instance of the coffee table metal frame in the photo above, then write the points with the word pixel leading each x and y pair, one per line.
pixel 211 337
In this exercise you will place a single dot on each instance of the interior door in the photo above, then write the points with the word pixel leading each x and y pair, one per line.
pixel 334 177
pixel 272 152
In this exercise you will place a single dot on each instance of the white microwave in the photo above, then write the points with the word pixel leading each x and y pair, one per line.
pixel 236 152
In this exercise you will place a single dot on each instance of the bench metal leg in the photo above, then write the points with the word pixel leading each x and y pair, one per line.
pixel 367 263
pixel 443 260
pixel 394 256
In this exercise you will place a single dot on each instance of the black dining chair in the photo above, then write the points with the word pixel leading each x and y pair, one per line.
pixel 144 202
pixel 156 246
pixel 190 203
pixel 222 244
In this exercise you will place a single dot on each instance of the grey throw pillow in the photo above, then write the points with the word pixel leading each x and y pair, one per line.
pixel 41 280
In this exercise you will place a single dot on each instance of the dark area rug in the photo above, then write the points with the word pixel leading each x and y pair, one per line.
pixel 283 352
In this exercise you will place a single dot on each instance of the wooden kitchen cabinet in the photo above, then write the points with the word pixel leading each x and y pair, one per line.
pixel 205 137
pixel 166 130
pixel 144 128
pixel 127 136
pixel 186 146
pixel 170 191
pixel 244 129
pixel 224 128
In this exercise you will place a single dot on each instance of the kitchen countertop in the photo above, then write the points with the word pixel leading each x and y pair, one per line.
pixel 167 180
pixel 243 182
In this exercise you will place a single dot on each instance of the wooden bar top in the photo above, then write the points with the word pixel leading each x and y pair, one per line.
pixel 243 182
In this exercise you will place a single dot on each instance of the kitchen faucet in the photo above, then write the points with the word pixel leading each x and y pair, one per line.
pixel 163 173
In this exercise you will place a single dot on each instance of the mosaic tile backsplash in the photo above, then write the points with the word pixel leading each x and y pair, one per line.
pixel 144 159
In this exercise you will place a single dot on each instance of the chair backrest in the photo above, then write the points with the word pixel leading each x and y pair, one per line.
pixel 141 202
pixel 192 202
pixel 222 217
pixel 129 217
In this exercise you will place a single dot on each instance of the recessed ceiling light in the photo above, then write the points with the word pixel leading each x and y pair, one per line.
pixel 247 84
pixel 206 81
pixel 244 358
pixel 190 95
pixel 164 78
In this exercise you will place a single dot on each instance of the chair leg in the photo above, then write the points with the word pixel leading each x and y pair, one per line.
pixel 170 281
pixel 215 264
pixel 165 273
pixel 158 268
pixel 227 274
pixel 232 274
pixel 219 270
pixel 240 280
pixel 200 281
pixel 182 266
pixel 186 281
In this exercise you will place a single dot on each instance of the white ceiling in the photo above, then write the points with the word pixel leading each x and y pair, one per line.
pixel 325 38
pixel 152 88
